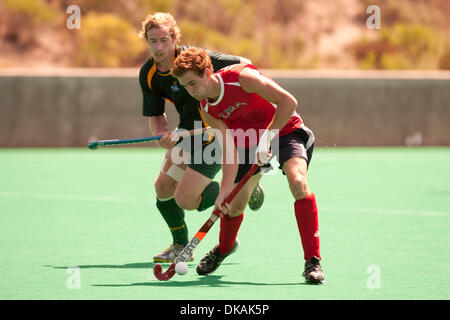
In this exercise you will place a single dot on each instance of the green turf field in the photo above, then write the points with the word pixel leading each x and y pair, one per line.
pixel 384 218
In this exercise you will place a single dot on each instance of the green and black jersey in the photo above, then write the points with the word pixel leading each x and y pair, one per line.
pixel 157 87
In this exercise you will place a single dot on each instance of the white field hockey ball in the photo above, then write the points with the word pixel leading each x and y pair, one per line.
pixel 181 268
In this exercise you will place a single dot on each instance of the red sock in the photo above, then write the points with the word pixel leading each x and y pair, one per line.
pixel 229 227
pixel 308 225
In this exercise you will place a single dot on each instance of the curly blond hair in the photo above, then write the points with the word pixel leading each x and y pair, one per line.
pixel 158 20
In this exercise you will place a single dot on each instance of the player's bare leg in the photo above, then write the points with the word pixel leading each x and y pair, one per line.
pixel 240 201
pixel 165 186
pixel 307 217
pixel 296 170
pixel 196 191
pixel 229 227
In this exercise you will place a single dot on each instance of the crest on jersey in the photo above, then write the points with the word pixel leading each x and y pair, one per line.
pixel 228 111
pixel 174 87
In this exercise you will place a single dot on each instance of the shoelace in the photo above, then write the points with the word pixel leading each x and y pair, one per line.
pixel 171 248
pixel 310 266
pixel 212 256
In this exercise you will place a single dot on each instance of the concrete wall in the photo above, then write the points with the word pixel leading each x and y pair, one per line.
pixel 60 111
pixel 65 108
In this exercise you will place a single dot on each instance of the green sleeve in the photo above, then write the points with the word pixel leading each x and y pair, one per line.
pixel 220 60
pixel 153 103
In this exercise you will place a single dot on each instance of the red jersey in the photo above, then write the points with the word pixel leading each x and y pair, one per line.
pixel 242 110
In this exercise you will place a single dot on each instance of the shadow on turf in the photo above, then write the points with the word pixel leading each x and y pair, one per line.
pixel 137 265
pixel 210 281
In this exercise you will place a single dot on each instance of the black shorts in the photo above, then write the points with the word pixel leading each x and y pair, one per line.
pixel 207 167
pixel 299 143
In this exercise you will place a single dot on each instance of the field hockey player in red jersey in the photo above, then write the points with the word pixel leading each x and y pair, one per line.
pixel 240 98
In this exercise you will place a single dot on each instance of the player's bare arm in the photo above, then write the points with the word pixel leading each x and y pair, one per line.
pixel 158 126
pixel 244 61
pixel 253 82
pixel 229 160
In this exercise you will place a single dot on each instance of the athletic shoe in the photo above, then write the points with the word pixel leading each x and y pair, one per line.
pixel 313 271
pixel 212 260
pixel 257 198
pixel 169 254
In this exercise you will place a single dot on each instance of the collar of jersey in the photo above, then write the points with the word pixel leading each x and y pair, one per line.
pixel 222 91
pixel 163 74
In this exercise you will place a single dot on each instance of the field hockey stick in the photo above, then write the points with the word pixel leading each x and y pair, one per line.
pixel 190 247
pixel 105 143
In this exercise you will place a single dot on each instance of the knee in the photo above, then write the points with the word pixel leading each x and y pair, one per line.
pixel 299 186
pixel 164 188
pixel 185 200
pixel 237 208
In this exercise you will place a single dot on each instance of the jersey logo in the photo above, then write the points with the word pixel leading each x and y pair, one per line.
pixel 174 87
pixel 228 111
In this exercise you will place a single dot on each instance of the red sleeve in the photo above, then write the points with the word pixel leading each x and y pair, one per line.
pixel 231 73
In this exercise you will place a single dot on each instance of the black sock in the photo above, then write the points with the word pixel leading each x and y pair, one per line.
pixel 174 217
pixel 209 195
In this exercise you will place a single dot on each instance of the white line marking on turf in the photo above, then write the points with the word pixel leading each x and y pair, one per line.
pixel 49 196
pixel 388 211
